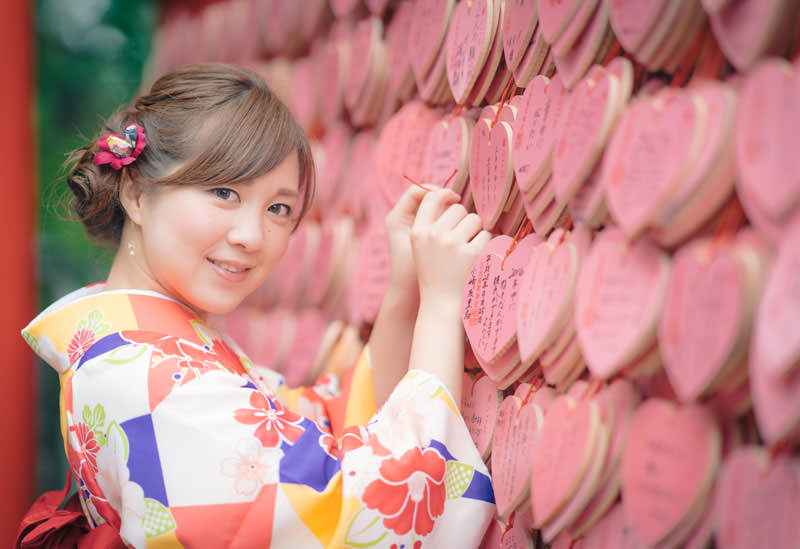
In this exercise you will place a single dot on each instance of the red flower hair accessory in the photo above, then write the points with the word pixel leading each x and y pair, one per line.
pixel 121 150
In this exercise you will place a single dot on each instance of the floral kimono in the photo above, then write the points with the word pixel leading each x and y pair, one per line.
pixel 177 439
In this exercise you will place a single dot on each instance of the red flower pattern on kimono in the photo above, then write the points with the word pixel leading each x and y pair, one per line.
pixel 184 353
pixel 410 492
pixel 88 446
pixel 275 423
pixel 79 344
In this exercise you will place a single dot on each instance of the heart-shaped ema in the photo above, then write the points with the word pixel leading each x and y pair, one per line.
pixel 428 31
pixel 618 301
pixel 767 118
pixel 515 444
pixel 490 298
pixel 704 316
pixel 546 296
pixel 469 38
pixel 776 337
pixel 480 402
pixel 535 128
pixel 566 447
pixel 758 500
pixel 519 21
pixel 589 115
pixel 649 154
pixel 555 17
pixel 491 173
pixel 668 467
pixel 448 152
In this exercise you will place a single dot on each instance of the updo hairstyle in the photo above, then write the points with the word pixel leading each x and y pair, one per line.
pixel 205 124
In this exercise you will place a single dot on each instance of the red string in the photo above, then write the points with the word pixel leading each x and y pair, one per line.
pixel 612 53
pixel 457 111
pixel 685 66
pixel 426 189
pixel 503 99
pixel 523 231
pixel 729 222
pixel 592 388
pixel 567 227
pixel 450 177
pixel 778 448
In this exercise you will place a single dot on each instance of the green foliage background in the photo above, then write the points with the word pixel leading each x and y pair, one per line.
pixel 90 59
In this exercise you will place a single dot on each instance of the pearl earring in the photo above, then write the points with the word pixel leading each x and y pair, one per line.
pixel 131 248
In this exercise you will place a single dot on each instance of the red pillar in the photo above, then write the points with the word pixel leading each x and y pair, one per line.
pixel 17 396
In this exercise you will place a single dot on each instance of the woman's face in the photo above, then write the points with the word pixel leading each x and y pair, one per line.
pixel 210 247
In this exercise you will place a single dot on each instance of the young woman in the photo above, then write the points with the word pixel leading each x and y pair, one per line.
pixel 175 437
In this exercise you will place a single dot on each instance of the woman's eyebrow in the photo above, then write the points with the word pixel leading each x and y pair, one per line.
pixel 288 192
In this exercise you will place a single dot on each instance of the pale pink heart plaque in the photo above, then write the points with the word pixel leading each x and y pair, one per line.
pixel 535 129
pixel 589 113
pixel 613 530
pixel 565 449
pixel 577 26
pixel 759 500
pixel 711 179
pixel 489 304
pixel 668 466
pixel 480 402
pixel 747 30
pixel 632 20
pixel 490 170
pixel 545 300
pixel 555 17
pixel 532 61
pixel 493 538
pixel 517 537
pixel 776 334
pixel 428 30
pixel 448 153
pixel 595 41
pixel 519 22
pixel 586 489
pixel 649 155
pixel 618 301
pixel 767 118
pixel 468 39
pixel 702 317
pixel 776 403
pixel 515 444
pixel 401 149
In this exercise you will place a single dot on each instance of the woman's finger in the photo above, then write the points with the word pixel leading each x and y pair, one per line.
pixel 469 226
pixel 432 204
pixel 451 217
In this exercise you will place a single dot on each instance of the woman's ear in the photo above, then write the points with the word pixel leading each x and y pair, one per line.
pixel 130 196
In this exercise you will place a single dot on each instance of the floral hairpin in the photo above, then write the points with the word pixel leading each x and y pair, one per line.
pixel 121 150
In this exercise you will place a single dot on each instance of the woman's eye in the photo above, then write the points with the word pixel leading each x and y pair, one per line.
pixel 282 210
pixel 224 194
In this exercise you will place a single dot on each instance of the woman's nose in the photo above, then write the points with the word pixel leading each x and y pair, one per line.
pixel 247 230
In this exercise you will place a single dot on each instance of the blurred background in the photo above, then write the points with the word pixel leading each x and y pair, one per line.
pixel 71 63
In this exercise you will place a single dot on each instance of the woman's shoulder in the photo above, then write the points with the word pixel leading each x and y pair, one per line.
pixel 92 318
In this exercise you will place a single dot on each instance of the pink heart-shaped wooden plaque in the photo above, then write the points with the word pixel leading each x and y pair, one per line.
pixel 545 300
pixel 776 335
pixel 618 302
pixel 490 170
pixel 480 402
pixel 555 16
pixel 428 30
pixel 767 119
pixel 519 22
pixel 448 153
pixel 668 466
pixel 632 20
pixel 702 318
pixel 535 129
pixel 588 117
pixel 515 443
pixel 490 298
pixel 565 449
pixel 468 40
pixel 649 155
pixel 613 530
pixel 759 500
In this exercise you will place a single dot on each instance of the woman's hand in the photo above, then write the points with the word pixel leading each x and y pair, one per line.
pixel 446 241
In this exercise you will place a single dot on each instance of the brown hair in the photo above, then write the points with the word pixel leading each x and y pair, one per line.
pixel 206 124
